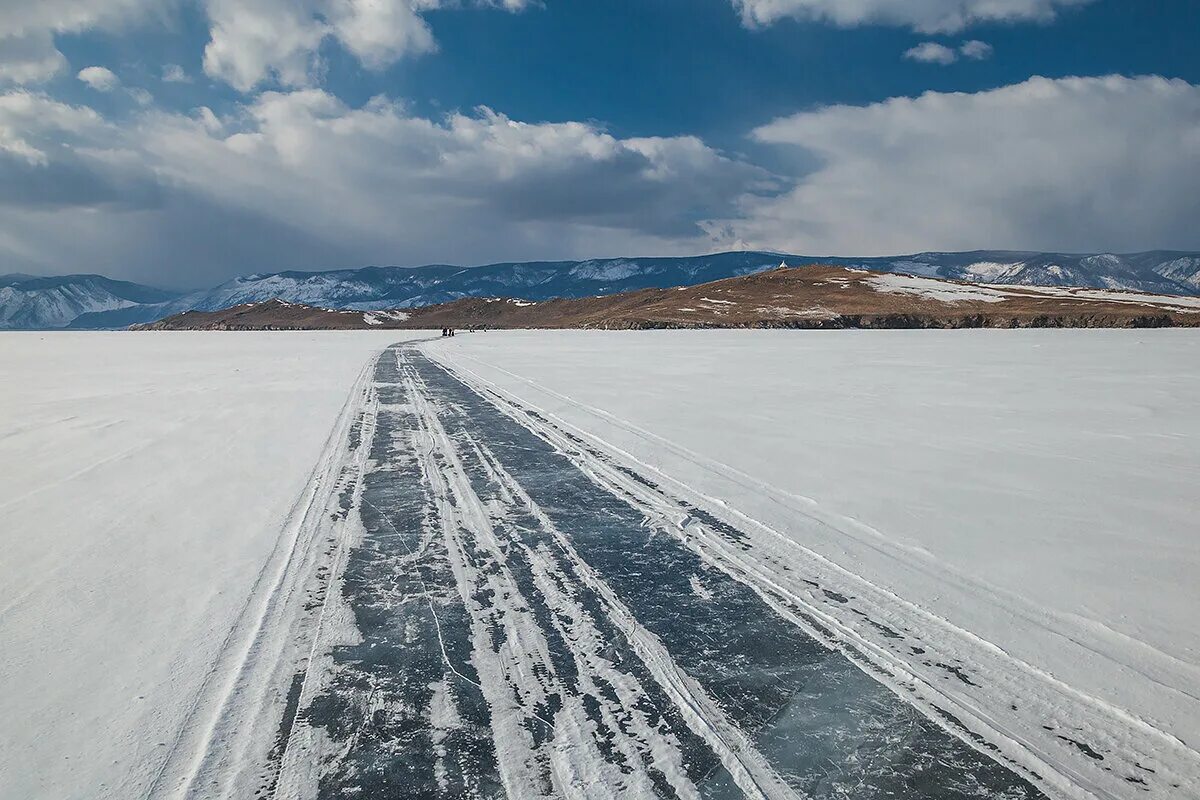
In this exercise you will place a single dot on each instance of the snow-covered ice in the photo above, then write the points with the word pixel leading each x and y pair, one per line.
pixel 1025 500
pixel 586 630
pixel 706 556
pixel 144 482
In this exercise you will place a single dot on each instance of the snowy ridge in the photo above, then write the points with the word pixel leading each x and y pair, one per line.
pixel 1126 297
pixel 1072 744
pixel 378 288
pixel 28 302
pixel 935 289
pixel 381 317
pixel 991 292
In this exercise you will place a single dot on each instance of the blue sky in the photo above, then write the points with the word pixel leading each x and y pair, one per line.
pixel 183 142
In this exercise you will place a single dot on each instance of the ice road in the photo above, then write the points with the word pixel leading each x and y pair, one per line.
pixel 535 620
pixel 491 603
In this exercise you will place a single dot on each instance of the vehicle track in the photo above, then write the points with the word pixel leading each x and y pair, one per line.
pixel 525 627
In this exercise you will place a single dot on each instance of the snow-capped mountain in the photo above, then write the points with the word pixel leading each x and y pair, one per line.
pixel 375 288
pixel 35 303
pixel 1155 271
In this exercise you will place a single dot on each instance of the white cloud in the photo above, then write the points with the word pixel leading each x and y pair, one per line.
pixel 251 42
pixel 937 53
pixel 379 32
pixel 258 41
pixel 68 16
pixel 27 29
pixel 36 129
pixel 976 50
pixel 101 79
pixel 932 53
pixel 254 40
pixel 927 16
pixel 141 96
pixel 298 179
pixel 173 73
pixel 29 58
pixel 1078 164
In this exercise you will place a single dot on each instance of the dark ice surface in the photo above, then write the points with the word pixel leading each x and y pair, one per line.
pixel 825 727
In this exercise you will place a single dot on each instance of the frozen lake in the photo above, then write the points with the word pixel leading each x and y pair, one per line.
pixel 695 564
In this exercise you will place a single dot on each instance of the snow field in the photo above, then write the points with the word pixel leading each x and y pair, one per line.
pixel 146 482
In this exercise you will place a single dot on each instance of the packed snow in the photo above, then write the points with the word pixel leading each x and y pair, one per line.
pixel 932 289
pixel 383 317
pixel 146 479
pixel 1018 508
pixel 1175 303
pixel 988 271
pixel 605 270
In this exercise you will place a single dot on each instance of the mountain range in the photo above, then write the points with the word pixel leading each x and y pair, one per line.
pixel 39 303
pixel 93 302
pixel 809 297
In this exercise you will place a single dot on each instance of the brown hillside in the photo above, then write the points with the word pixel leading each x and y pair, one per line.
pixel 807 297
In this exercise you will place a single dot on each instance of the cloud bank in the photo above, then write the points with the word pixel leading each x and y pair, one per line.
pixel 260 41
pixel 926 16
pixel 251 42
pixel 298 179
pixel 1076 164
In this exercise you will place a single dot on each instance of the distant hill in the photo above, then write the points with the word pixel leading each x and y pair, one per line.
pixel 278 315
pixel 809 297
pixel 37 303
pixel 373 288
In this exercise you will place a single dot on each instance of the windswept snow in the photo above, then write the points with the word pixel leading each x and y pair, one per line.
pixel 997 292
pixel 1176 303
pixel 605 270
pixel 935 289
pixel 383 317
pixel 146 484
pixel 990 271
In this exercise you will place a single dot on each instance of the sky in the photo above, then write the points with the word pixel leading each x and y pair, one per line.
pixel 182 142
